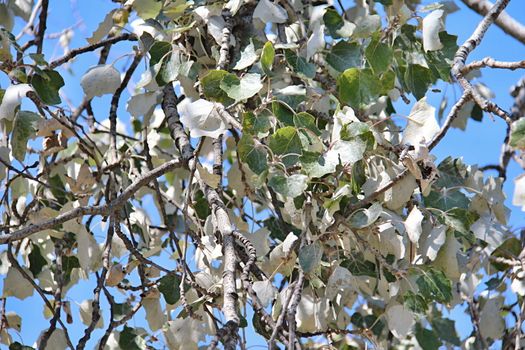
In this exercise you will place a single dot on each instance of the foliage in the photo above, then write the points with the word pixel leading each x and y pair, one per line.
pixel 242 169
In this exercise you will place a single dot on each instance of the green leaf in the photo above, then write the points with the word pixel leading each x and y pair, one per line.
pixel 418 79
pixel 316 165
pixel 158 51
pixel 509 249
pixel 447 199
pixel 379 55
pixel 299 64
pixel 286 143
pixel 121 310
pixel 147 8
pixel 283 113
pixel 358 266
pixel 310 256
pixel 452 173
pixel 17 346
pixel 434 285
pixel 253 155
pixel 333 21
pixel 241 89
pixel 256 123
pixel 426 338
pixel 460 220
pixel 358 87
pixel 344 55
pixel 25 126
pixel 171 67
pixel 47 85
pixel 130 340
pixel 304 120
pixel 365 217
pixel 211 86
pixel 36 260
pixel 169 286
pixel 39 59
pixel 68 264
pixel 415 302
pixel 289 186
pixel 446 330
pixel 267 57
pixel 517 134
pixel 440 61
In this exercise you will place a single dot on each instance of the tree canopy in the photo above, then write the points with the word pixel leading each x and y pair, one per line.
pixel 238 173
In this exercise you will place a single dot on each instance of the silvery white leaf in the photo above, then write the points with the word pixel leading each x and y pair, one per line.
pixel 201 118
pixel 12 98
pixel 100 80
pixel 432 25
pixel 268 11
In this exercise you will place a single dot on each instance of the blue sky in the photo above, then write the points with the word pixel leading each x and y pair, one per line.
pixel 480 144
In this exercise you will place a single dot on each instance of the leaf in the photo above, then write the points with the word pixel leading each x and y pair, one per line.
pixel 86 313
pixel 130 340
pixel 518 199
pixel 169 286
pixel 211 85
pixel 201 118
pixel 316 165
pixel 265 291
pixel 422 125
pixel 142 104
pixel 379 55
pixel 207 177
pixel 16 285
pixel 147 8
pixel 256 123
pixel 248 57
pixel 24 127
pixel 299 64
pixel 252 154
pixel 289 186
pixel 333 21
pixel 36 260
pixel 267 11
pixel 171 67
pixel 509 249
pixel 344 55
pixel 17 346
pixel 400 320
pixel 426 338
pixel 267 56
pixel 447 199
pixel 158 51
pixel 418 79
pixel 310 257
pixel 283 113
pixel 358 87
pixel 103 29
pixel 241 89
pixel 306 121
pixel 434 286
pixel 359 266
pixel 47 85
pixel 362 218
pixel 11 100
pixel 415 302
pixel 100 80
pixel 432 25
pixel 413 224
pixel 286 143
pixel 446 330
pixel 517 134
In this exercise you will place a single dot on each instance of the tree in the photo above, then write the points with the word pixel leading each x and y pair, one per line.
pixel 236 175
